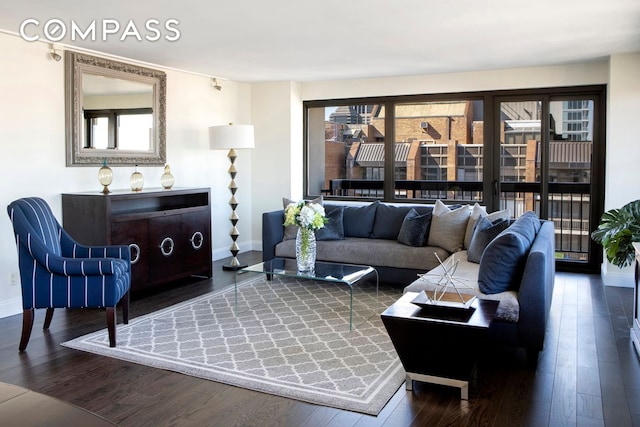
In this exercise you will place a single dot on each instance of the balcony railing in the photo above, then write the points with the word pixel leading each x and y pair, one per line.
pixel 568 204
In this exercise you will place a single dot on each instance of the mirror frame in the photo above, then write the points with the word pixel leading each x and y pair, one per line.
pixel 76 155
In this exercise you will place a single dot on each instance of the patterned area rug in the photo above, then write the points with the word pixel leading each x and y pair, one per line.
pixel 290 338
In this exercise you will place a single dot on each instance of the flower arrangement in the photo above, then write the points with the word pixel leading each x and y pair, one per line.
pixel 308 216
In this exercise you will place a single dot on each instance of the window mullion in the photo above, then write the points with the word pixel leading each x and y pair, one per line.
pixel 389 152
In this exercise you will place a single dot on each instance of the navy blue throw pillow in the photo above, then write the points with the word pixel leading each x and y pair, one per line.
pixel 358 220
pixel 388 221
pixel 413 231
pixel 484 232
pixel 503 260
pixel 333 229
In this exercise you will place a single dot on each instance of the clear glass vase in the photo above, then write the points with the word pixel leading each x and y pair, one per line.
pixel 305 250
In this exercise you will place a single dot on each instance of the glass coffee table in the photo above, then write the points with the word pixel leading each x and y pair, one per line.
pixel 346 274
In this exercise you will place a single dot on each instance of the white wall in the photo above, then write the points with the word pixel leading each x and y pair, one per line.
pixel 623 146
pixel 515 78
pixel 33 147
pixel 276 111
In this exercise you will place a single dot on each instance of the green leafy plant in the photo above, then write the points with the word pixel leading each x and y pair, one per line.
pixel 617 230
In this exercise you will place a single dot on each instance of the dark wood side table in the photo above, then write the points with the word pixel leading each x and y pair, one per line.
pixel 438 347
pixel 22 407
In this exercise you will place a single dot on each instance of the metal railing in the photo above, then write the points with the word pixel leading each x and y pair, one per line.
pixel 567 204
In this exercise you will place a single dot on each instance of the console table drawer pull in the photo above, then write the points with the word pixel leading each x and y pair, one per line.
pixel 166 252
pixel 197 240
pixel 136 248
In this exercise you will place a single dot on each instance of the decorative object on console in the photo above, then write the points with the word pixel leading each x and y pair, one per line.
pixel 105 177
pixel 309 217
pixel 231 137
pixel 137 180
pixel 167 179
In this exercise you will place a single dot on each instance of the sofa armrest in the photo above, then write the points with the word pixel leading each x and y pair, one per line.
pixel 272 233
pixel 536 288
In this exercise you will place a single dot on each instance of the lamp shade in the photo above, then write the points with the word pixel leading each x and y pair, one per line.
pixel 231 136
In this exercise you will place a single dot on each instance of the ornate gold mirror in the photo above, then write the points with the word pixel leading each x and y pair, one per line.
pixel 114 112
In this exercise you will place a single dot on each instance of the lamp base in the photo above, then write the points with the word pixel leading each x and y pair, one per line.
pixel 230 267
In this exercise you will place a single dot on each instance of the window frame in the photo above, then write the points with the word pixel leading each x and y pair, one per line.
pixel 491 151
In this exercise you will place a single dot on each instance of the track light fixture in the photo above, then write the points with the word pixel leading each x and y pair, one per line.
pixel 54 54
pixel 216 85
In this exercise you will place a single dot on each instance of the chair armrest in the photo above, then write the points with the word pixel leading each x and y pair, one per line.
pixel 68 266
pixel 72 249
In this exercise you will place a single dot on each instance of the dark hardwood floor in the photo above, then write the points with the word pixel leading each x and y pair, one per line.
pixel 588 374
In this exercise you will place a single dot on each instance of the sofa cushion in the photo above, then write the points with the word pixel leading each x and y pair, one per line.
pixel 485 231
pixel 388 221
pixel 503 259
pixel 466 280
pixel 415 226
pixel 448 227
pixel 358 220
pixel 290 231
pixel 333 229
pixel 366 251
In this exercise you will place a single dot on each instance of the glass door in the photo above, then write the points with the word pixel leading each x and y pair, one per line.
pixel 546 160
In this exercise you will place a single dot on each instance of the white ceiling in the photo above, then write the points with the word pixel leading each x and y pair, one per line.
pixel 305 40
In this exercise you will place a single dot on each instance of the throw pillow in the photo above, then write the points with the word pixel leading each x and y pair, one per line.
pixel 388 221
pixel 358 220
pixel 333 229
pixel 504 258
pixel 448 227
pixel 484 232
pixel 415 226
pixel 476 212
pixel 290 231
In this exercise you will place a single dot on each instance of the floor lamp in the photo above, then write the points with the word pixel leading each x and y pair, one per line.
pixel 232 137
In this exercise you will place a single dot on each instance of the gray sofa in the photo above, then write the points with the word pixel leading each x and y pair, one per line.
pixel 527 280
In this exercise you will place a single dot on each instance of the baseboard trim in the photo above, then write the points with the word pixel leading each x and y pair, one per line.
pixel 10 307
pixel 620 277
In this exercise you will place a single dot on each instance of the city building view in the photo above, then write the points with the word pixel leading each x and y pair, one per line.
pixel 439 154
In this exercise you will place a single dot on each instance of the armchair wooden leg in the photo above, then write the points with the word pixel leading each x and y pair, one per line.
pixel 111 325
pixel 125 308
pixel 27 325
pixel 47 318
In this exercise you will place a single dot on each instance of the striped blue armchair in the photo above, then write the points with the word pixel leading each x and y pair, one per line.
pixel 57 272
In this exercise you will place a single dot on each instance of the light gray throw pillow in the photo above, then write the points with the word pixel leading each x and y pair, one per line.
pixel 448 227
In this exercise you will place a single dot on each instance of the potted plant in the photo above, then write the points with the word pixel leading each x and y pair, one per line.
pixel 617 231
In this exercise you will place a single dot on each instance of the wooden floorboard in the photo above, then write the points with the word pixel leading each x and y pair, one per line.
pixel 587 375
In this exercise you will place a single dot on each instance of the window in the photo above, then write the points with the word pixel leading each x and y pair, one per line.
pixel 420 148
pixel 125 129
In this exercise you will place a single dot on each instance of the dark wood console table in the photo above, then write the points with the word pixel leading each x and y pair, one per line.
pixel 438 348
pixel 168 231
